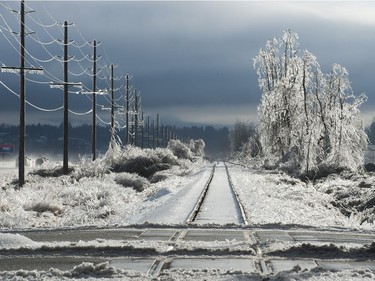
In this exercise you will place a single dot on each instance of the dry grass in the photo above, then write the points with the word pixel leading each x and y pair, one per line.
pixel 42 207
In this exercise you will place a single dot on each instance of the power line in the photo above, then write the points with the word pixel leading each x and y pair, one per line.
pixel 31 104
pixel 18 52
pixel 48 41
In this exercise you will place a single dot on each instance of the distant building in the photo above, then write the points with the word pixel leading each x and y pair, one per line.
pixel 7 150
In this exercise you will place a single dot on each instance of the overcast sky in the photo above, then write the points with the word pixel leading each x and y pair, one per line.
pixel 192 61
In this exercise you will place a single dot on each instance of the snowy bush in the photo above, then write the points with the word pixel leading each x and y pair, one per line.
pixel 197 147
pixel 41 207
pixel 165 155
pixel 303 109
pixel 143 162
pixel 159 176
pixel 4 207
pixel 88 168
pixel 290 162
pixel 180 150
pixel 138 183
pixel 52 170
pixel 192 151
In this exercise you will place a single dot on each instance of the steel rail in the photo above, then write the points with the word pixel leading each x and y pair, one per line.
pixel 193 215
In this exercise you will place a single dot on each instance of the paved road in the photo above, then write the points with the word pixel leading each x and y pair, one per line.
pixel 152 250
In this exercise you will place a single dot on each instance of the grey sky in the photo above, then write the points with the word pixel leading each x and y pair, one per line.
pixel 192 61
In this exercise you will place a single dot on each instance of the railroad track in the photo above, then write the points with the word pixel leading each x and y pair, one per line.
pixel 218 202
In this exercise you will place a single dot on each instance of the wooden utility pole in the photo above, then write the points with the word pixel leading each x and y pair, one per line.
pixel 66 86
pixel 22 71
pixel 136 117
pixel 93 142
pixel 127 77
pixel 153 133
pixel 94 92
pixel 21 149
pixel 148 131
pixel 142 130
pixel 157 129
pixel 66 101
pixel 162 136
pixel 112 107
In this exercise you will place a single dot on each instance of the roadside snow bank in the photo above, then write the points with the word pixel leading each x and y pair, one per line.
pixel 275 198
pixel 104 271
pixel 86 270
pixel 9 240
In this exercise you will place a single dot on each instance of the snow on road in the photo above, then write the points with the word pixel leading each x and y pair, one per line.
pixel 9 240
pixel 181 254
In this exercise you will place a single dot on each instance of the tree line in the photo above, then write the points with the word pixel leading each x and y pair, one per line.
pixel 43 138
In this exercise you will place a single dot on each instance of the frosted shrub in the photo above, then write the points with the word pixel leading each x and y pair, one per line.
pixel 290 162
pixel 88 168
pixel 50 169
pixel 42 207
pixel 159 176
pixel 144 162
pixel 86 269
pixel 165 156
pixel 113 153
pixel 138 183
pixel 141 165
pixel 180 150
pixel 197 147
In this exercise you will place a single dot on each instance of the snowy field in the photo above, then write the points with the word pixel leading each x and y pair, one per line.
pixel 58 202
pixel 270 199
pixel 276 198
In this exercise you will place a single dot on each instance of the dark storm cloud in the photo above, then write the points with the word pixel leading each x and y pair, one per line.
pixel 192 61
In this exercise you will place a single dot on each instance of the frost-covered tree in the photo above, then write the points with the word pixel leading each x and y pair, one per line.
pixel 244 140
pixel 347 137
pixel 277 67
pixel 305 112
pixel 240 134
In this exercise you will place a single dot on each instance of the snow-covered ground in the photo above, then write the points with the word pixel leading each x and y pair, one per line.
pixel 276 198
pixel 269 199
pixel 57 202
